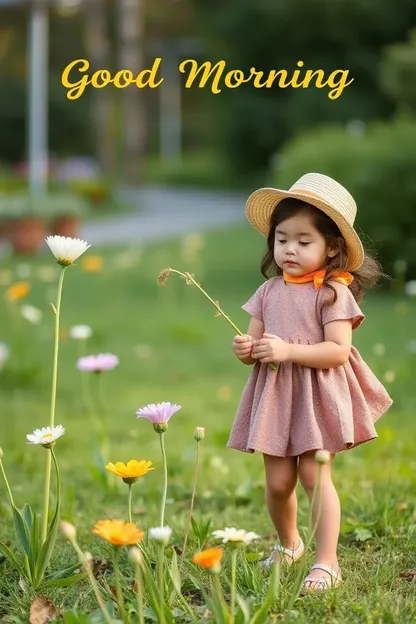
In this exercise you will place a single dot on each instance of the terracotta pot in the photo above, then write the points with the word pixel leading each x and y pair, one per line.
pixel 27 235
pixel 4 227
pixel 66 225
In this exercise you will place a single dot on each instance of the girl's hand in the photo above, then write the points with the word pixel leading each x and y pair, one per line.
pixel 271 348
pixel 242 346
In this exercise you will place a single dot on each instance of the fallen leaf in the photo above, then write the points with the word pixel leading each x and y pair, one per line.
pixel 402 506
pixel 409 575
pixel 42 611
pixel 100 566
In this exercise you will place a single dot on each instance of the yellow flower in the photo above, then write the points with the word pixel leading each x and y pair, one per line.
pixel 92 263
pixel 209 558
pixel 131 471
pixel 117 532
pixel 17 291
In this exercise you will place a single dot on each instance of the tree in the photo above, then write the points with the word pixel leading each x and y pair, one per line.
pixel 131 56
pixel 325 34
pixel 99 52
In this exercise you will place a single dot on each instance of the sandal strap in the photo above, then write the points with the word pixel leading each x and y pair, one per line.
pixel 323 580
pixel 288 551
pixel 325 568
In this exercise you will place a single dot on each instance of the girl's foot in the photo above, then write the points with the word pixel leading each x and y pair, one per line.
pixel 285 554
pixel 322 577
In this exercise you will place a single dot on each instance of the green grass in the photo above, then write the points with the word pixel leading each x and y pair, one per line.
pixel 171 348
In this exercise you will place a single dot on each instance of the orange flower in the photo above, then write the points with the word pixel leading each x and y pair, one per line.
pixel 209 558
pixel 17 291
pixel 92 263
pixel 132 470
pixel 117 532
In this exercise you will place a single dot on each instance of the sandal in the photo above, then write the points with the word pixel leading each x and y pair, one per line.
pixel 323 582
pixel 285 552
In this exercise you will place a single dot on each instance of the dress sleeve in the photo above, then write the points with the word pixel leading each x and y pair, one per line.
pixel 345 307
pixel 255 305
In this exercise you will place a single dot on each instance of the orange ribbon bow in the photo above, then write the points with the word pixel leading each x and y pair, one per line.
pixel 317 277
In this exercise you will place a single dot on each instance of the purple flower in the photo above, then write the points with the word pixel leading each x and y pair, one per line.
pixel 97 363
pixel 158 414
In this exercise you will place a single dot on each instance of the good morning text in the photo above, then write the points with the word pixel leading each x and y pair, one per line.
pixel 218 76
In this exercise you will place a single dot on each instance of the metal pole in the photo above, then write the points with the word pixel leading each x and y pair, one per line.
pixel 38 100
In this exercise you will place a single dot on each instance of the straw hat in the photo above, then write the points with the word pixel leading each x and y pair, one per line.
pixel 320 191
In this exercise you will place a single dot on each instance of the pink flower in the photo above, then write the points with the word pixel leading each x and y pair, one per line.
pixel 97 363
pixel 158 414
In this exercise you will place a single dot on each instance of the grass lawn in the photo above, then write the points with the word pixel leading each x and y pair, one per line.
pixel 171 348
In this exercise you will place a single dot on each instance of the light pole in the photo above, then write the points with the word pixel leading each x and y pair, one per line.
pixel 37 112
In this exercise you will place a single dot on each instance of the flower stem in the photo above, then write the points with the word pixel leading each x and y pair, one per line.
pixel 92 581
pixel 47 488
pixel 161 558
pixel 7 484
pixel 311 532
pixel 53 404
pixel 130 493
pixel 188 277
pixel 192 503
pixel 56 347
pixel 58 480
pixel 85 387
pixel 165 478
pixel 233 571
pixel 119 593
pixel 139 592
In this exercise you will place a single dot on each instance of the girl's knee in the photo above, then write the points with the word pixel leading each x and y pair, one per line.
pixel 280 487
pixel 309 474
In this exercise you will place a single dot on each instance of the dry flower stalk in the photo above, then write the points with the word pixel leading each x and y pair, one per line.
pixel 190 280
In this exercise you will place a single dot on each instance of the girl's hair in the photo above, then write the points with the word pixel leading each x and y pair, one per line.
pixel 365 277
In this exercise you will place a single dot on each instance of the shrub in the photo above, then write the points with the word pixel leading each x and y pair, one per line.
pixel 377 167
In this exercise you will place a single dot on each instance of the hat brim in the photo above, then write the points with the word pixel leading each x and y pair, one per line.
pixel 261 203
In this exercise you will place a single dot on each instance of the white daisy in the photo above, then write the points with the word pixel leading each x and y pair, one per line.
pixel 161 534
pixel 231 534
pixel 46 436
pixel 80 332
pixel 410 288
pixel 66 249
pixel 4 354
pixel 31 314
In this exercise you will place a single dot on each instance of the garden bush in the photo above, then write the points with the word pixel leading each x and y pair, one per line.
pixel 377 167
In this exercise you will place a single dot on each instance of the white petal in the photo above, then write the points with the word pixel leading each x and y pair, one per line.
pixel 66 248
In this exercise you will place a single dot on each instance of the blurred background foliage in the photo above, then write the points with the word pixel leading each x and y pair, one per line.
pixel 239 138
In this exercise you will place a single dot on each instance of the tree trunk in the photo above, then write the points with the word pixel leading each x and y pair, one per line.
pixel 131 56
pixel 98 50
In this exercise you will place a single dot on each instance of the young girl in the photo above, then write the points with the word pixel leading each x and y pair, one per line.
pixel 319 394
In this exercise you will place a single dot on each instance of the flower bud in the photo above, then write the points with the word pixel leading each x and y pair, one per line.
pixel 322 457
pixel 161 534
pixel 160 427
pixel 199 434
pixel 136 556
pixel 68 530
pixel 163 276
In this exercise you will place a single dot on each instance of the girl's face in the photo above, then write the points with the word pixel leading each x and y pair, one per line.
pixel 298 246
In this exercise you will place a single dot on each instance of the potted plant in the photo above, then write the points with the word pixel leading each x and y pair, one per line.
pixel 97 191
pixel 67 211
pixel 23 225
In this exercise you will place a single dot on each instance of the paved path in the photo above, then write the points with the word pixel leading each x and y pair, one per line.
pixel 166 212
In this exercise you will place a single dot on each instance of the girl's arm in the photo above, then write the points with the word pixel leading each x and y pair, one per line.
pixel 333 352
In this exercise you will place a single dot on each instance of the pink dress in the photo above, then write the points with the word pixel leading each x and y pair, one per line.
pixel 298 408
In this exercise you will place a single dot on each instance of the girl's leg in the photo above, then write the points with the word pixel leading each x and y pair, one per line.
pixel 281 479
pixel 328 528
